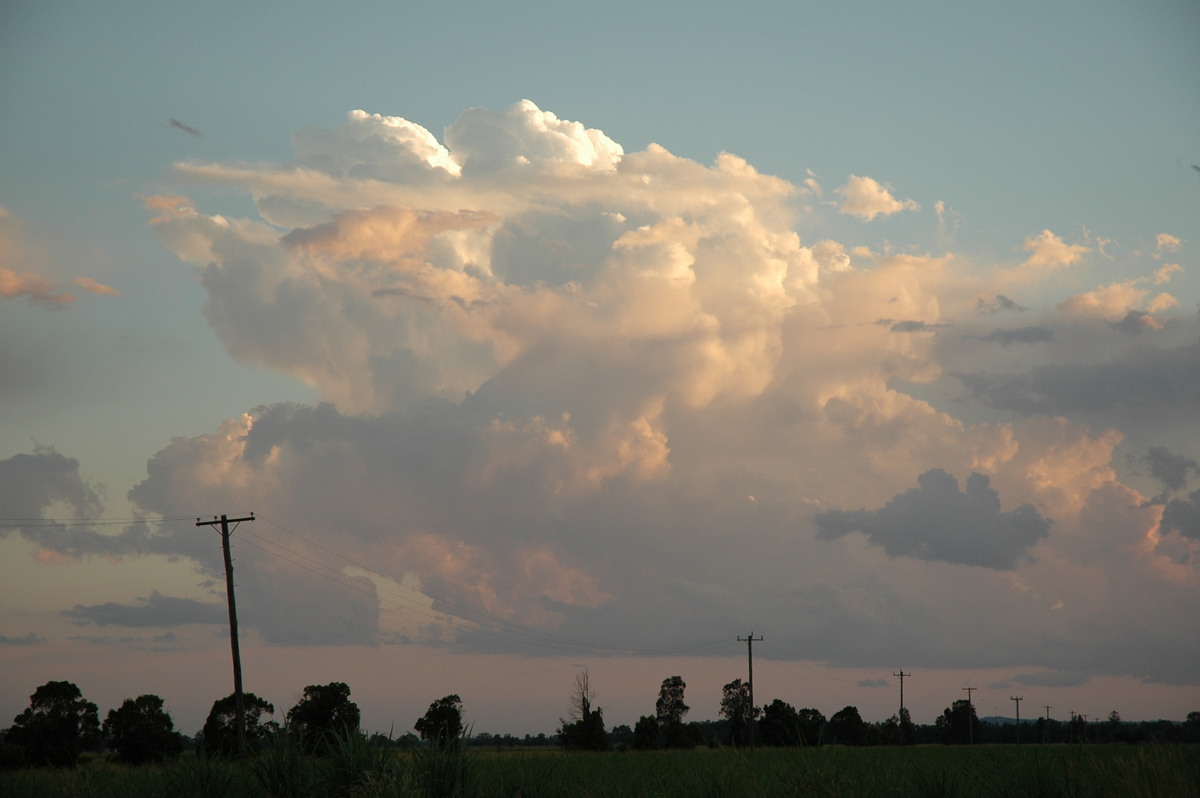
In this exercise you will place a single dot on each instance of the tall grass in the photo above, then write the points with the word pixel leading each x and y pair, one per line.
pixel 352 767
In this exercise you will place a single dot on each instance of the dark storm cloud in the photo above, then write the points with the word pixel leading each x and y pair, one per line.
pixel 1144 380
pixel 1170 469
pixel 1019 335
pixel 938 522
pixel 997 305
pixel 154 610
pixel 1182 516
pixel 191 131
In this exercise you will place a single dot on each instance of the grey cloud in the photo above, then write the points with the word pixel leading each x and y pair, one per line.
pixel 1018 335
pixel 154 610
pixel 1170 469
pixel 873 683
pixel 25 640
pixel 937 522
pixel 1053 679
pixel 1136 322
pixel 997 305
pixel 908 325
pixel 1145 380
pixel 1182 516
pixel 191 131
pixel 29 483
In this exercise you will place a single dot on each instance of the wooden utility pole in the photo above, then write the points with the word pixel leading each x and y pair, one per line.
pixel 238 702
pixel 902 674
pixel 970 716
pixel 1046 725
pixel 1016 699
pixel 750 682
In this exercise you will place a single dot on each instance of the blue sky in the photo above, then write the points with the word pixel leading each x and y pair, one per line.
pixel 967 247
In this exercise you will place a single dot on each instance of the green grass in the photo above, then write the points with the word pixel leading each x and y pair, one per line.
pixel 356 770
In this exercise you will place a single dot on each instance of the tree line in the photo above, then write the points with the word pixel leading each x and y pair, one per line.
pixel 60 725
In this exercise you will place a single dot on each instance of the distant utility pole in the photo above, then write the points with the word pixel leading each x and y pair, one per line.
pixel 750 661
pixel 902 674
pixel 1016 699
pixel 970 716
pixel 1046 725
pixel 238 702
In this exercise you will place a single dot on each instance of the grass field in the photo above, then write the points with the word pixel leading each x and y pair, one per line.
pixel 361 771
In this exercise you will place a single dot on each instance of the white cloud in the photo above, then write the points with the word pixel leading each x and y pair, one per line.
pixel 866 198
pixel 552 376
pixel 1049 251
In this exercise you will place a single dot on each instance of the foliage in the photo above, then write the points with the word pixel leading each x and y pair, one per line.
pixel 670 709
pixel 442 722
pixel 958 724
pixel 220 728
pixel 324 710
pixel 847 727
pixel 141 731
pixel 780 725
pixel 57 726
pixel 737 711
pixel 645 733
pixel 584 728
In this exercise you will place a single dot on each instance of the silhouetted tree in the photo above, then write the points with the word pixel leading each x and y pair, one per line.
pixel 847 727
pixel 780 725
pixel 220 728
pixel 584 730
pixel 670 709
pixel 958 724
pixel 442 722
pixel 645 733
pixel 811 723
pixel 325 710
pixel 141 731
pixel 57 726
pixel 737 711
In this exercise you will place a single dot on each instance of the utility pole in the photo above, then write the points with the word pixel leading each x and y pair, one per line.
pixel 1046 725
pixel 1016 699
pixel 749 640
pixel 902 674
pixel 238 702
pixel 970 716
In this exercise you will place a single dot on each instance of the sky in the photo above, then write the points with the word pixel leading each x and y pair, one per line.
pixel 548 337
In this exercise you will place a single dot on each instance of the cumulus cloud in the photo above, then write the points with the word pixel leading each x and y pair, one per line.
pixel 938 522
pixel 1115 303
pixel 1049 251
pixel 867 198
pixel 593 394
